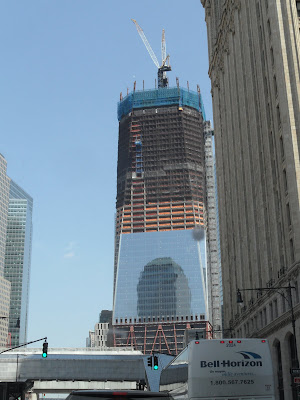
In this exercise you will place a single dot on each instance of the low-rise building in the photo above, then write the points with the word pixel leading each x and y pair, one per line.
pixel 99 336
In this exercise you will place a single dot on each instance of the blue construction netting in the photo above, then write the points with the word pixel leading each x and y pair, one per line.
pixel 158 98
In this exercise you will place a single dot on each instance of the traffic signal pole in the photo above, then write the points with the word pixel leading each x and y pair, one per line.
pixel 22 345
pixel 9 388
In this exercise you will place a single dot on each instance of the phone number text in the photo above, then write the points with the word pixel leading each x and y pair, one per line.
pixel 233 382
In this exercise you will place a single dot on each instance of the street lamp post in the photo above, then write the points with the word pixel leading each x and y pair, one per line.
pixel 290 301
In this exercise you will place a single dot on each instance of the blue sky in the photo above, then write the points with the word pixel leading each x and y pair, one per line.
pixel 63 66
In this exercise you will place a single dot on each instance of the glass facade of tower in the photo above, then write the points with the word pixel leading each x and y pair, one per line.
pixel 4 283
pixel 161 276
pixel 18 260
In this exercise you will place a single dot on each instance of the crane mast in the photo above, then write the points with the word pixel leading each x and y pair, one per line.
pixel 163 53
pixel 163 68
pixel 163 47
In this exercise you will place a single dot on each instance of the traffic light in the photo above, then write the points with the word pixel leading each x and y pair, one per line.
pixel 155 362
pixel 45 349
pixel 149 359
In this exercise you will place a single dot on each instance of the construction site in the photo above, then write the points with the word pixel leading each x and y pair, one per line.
pixel 160 176
pixel 166 337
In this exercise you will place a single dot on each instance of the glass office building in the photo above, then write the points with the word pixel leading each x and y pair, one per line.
pixel 4 283
pixel 161 276
pixel 18 260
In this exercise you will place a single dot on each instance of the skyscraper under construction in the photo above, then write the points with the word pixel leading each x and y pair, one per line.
pixel 166 279
pixel 160 276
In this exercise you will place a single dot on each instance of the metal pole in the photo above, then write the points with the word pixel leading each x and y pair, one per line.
pixel 17 367
pixel 22 345
pixel 293 324
pixel 294 387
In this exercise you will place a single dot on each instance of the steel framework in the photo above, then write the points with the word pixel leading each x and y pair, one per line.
pixel 161 337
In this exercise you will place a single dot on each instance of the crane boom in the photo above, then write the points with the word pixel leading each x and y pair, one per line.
pixel 163 48
pixel 146 43
pixel 163 68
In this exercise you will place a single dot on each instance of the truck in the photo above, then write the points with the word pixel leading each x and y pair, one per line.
pixel 221 369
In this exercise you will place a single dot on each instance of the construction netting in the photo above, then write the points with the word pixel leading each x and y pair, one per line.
pixel 159 98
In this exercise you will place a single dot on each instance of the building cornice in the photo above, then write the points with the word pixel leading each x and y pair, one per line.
pixel 206 4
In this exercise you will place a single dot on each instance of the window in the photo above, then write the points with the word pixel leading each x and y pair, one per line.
pixel 293 354
pixel 271 311
pixel 265 316
pixel 275 86
pixel 279 372
pixel 257 10
pixel 269 28
pixel 283 305
pixel 275 308
pixel 298 7
pixel 269 120
pixel 288 214
pixel 296 291
pixel 278 116
pixel 281 148
pixel 285 181
pixel 292 254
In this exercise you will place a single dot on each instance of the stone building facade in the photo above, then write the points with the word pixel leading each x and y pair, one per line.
pixel 212 239
pixel 254 67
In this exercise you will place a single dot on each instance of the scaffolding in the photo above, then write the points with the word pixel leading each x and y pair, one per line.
pixel 161 170
pixel 159 98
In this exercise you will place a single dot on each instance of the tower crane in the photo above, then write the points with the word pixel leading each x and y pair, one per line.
pixel 165 65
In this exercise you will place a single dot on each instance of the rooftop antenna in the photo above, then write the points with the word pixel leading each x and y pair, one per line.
pixel 165 66
pixel 199 95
